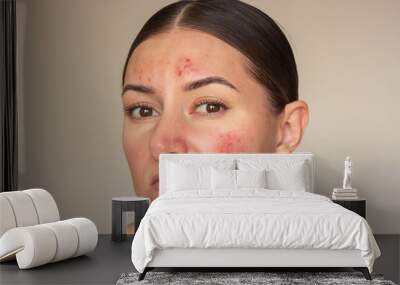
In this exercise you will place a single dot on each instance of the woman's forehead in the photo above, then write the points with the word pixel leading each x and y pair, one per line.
pixel 184 52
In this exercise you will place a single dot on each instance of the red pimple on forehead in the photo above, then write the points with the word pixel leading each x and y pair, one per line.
pixel 229 142
pixel 183 65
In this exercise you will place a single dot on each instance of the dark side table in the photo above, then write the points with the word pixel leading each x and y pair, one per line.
pixel 122 208
pixel 358 206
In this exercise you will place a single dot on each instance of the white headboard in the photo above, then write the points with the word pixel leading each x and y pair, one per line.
pixel 211 158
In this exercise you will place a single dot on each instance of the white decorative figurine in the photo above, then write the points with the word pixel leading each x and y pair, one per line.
pixel 346 192
pixel 347 174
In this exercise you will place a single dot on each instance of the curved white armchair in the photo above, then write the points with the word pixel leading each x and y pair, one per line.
pixel 31 232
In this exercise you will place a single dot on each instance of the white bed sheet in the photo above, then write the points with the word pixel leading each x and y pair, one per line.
pixel 250 218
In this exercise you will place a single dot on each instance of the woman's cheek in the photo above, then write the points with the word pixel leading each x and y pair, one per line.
pixel 135 143
pixel 230 142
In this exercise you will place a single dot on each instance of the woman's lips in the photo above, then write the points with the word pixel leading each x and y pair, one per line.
pixel 154 184
pixel 154 180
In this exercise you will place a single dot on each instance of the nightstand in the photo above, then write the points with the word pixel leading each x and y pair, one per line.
pixel 123 225
pixel 358 206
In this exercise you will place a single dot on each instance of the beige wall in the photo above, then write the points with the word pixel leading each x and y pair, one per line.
pixel 70 58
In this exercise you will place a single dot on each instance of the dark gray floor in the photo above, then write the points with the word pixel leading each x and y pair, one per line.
pixel 103 266
pixel 111 259
pixel 389 262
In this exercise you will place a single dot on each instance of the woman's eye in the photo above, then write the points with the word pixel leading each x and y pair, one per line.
pixel 141 112
pixel 210 107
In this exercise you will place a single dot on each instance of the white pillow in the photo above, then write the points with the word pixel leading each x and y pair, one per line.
pixel 235 179
pixel 294 178
pixel 185 177
pixel 282 173
pixel 251 178
pixel 223 179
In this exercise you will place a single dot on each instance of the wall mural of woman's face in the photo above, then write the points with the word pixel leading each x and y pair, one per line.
pixel 165 113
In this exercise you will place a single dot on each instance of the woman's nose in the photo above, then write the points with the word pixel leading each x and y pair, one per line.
pixel 168 136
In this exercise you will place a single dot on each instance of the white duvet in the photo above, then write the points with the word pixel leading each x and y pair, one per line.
pixel 251 218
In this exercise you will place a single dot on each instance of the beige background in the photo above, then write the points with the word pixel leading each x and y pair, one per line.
pixel 70 58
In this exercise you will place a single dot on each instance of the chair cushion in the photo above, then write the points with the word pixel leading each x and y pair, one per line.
pixel 40 244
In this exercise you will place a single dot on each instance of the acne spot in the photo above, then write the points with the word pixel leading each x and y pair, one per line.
pixel 140 72
pixel 184 64
pixel 229 142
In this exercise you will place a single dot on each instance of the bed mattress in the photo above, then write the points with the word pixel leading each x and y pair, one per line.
pixel 250 218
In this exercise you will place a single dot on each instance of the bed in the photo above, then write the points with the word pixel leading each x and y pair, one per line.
pixel 248 210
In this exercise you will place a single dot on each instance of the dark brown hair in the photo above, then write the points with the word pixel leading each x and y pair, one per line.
pixel 270 58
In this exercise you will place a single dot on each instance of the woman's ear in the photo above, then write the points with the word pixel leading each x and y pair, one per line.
pixel 291 125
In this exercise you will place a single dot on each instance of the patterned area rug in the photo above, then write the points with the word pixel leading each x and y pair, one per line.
pixel 269 278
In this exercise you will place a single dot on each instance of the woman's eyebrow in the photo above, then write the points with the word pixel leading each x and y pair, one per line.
pixel 138 88
pixel 208 80
pixel 187 87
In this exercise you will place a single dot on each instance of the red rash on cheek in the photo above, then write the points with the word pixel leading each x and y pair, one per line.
pixel 183 65
pixel 229 142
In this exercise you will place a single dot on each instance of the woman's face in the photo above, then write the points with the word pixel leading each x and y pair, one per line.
pixel 186 91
